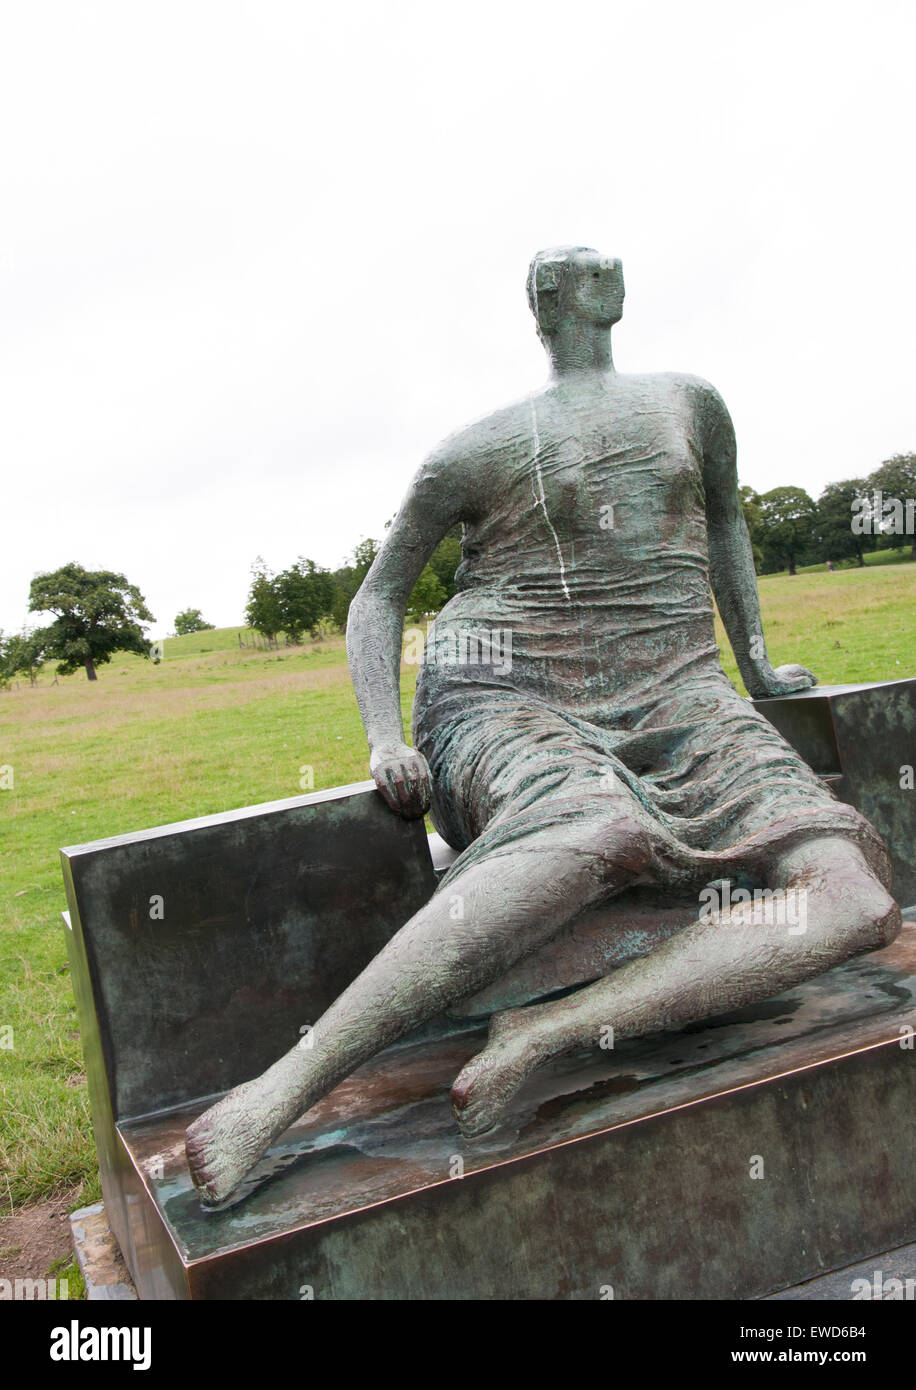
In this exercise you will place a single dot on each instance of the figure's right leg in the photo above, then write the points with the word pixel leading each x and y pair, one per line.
pixel 725 961
pixel 490 914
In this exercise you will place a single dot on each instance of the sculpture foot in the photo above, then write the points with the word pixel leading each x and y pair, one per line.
pixel 227 1140
pixel 484 1087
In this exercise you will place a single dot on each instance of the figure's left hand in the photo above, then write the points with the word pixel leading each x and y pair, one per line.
pixel 783 680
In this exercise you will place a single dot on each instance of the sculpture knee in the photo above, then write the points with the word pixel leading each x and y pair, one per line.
pixel 866 916
pixel 883 916
pixel 853 902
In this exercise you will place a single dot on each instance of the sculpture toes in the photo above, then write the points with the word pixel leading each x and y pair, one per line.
pixel 204 1161
pixel 204 1166
pixel 475 1110
pixel 220 1150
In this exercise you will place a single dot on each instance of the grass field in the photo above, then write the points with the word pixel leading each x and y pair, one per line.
pixel 214 727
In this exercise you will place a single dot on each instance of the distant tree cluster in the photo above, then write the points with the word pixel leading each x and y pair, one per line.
pixel 293 602
pixel 304 597
pixel 788 528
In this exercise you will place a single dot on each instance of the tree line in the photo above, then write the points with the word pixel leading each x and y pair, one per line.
pixel 788 528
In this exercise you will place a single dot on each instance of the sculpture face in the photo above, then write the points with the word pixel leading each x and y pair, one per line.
pixel 593 289
pixel 574 286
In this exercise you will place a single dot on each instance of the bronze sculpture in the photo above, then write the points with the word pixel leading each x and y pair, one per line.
pixel 611 750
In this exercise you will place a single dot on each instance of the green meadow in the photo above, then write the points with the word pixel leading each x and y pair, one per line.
pixel 215 726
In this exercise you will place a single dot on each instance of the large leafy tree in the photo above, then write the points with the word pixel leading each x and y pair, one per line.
pixel 787 519
pixel 97 613
pixel 427 595
pixel 348 578
pixel 750 506
pixel 445 559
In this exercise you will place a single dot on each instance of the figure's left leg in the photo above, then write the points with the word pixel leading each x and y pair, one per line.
pixel 721 962
pixel 510 902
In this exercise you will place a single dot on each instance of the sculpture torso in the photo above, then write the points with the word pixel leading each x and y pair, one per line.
pixel 588 545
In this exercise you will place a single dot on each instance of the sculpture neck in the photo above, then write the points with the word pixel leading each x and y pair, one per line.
pixel 578 347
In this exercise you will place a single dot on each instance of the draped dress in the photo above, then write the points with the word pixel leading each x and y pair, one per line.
pixel 576 669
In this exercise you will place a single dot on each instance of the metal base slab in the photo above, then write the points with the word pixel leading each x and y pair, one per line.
pixel 727 1160
pixel 889 1275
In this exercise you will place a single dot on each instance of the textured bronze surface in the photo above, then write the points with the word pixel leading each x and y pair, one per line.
pixel 575 735
pixel 597 940
pixel 264 919
pixel 631 1168
pixel 336 1210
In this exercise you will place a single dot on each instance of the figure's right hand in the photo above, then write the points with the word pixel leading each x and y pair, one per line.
pixel 781 680
pixel 402 776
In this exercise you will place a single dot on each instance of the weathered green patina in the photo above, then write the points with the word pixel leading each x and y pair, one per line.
pixel 575 734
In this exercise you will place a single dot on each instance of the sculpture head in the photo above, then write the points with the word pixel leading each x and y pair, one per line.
pixel 574 282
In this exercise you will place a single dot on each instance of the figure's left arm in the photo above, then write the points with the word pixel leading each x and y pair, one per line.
pixel 731 560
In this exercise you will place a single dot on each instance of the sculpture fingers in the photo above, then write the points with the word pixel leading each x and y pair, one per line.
pixel 402 783
pixel 419 784
pixel 388 786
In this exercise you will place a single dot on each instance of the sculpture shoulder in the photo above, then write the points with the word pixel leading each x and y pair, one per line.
pixel 700 393
pixel 705 406
pixel 463 464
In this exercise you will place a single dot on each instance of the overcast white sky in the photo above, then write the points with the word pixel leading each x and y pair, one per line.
pixel 257 258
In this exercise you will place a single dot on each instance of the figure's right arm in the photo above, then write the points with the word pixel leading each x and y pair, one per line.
pixel 434 503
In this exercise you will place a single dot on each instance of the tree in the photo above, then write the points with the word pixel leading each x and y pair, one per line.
pixel 98 613
pixel 262 611
pixel 750 506
pixel 835 536
pixel 348 578
pixel 191 620
pixel 787 516
pixel 20 655
pixel 427 595
pixel 305 595
pixel 895 479
pixel 445 559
